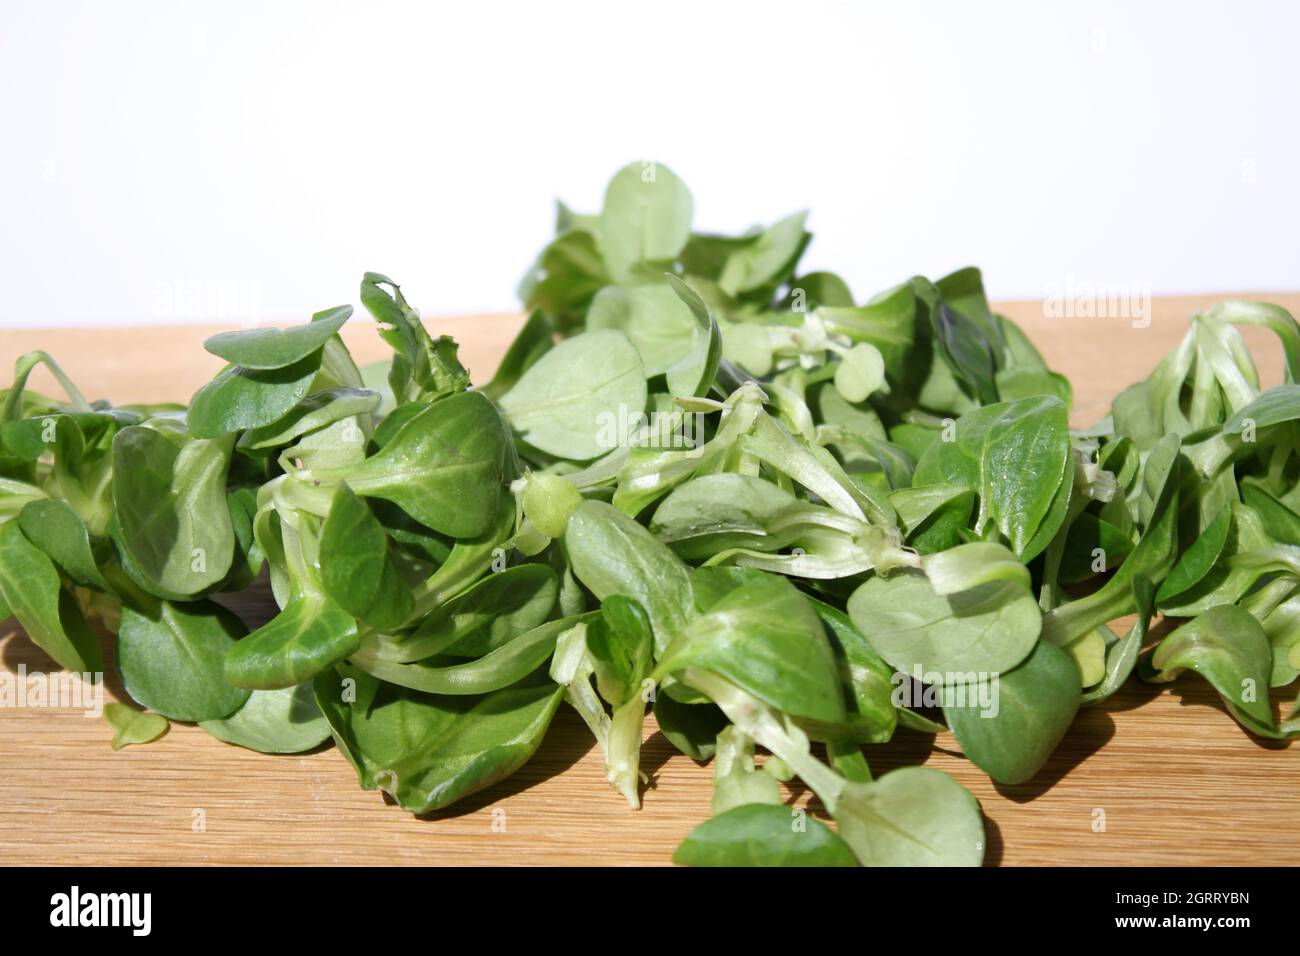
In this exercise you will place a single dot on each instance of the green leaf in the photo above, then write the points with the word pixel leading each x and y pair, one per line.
pixel 1151 558
pixel 1283 524
pixel 499 668
pixel 131 726
pixel 534 340
pixel 888 322
pixel 761 834
pixel 1282 625
pixel 444 467
pixel 282 721
pixel 653 316
pixel 481 618
pixel 316 411
pixel 1122 655
pixel 170 501
pixel 59 531
pixel 357 570
pixel 691 728
pixel 571 402
pixel 31 591
pixel 933 516
pixel 692 375
pixel 428 752
pixel 766 638
pixel 861 372
pixel 914 816
pixel 867 679
pixel 1196 562
pixel 548 500
pixel 1226 646
pixel 612 554
pixel 171 658
pixel 276 348
pixel 1014 455
pixel 646 217
pixel 768 260
pixel 967 350
pixel 13 401
pixel 240 398
pixel 736 778
pixel 304 639
pixel 622 647
pixel 1087 535
pixel 822 289
pixel 1273 407
pixel 566 276
pixel 1032 707
pixel 423 369
pixel 711 516
pixel 989 628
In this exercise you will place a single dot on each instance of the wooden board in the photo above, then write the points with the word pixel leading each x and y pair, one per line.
pixel 1149 778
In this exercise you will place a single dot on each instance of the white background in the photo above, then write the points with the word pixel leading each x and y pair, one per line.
pixel 248 161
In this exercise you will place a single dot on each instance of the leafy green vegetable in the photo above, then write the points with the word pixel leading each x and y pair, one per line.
pixel 356 569
pixel 914 816
pixel 1013 456
pixel 276 348
pixel 59 531
pixel 1035 703
pixel 444 467
pixel 759 834
pixel 766 638
pixel 646 217
pixel 576 414
pixel 314 412
pixel 305 638
pixel 171 658
pixel 703 481
pixel 428 751
pixel 496 669
pixel 691 728
pixel 132 726
pixel 982 627
pixel 1226 646
pixel 612 554
pixel 422 368
pixel 31 591
pixel 169 495
pixel 242 398
pixel 283 721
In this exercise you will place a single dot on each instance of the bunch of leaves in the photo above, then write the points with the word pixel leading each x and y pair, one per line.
pixel 702 483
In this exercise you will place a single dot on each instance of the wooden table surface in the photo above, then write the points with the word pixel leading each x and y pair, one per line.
pixel 1151 777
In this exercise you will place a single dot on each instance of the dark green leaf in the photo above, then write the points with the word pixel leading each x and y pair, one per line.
pixel 444 467
pixel 276 348
pixel 1010 725
pixel 31 591
pixel 305 638
pixel 240 398
pixel 426 751
pixel 170 501
pixel 171 658
pixel 356 568
pixel 761 834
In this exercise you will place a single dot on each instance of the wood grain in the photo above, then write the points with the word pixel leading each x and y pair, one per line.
pixel 1173 777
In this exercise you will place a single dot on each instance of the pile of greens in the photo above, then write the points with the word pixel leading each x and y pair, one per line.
pixel 702 484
